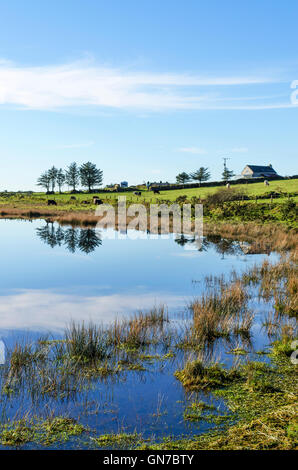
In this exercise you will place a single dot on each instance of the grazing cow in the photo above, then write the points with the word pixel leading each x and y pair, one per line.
pixel 228 185
pixel 94 199
pixel 266 183
pixel 97 201
pixel 155 191
pixel 51 202
pixel 85 202
pixel 137 193
pixel 73 198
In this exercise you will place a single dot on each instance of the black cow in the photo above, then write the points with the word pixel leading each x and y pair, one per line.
pixel 137 193
pixel 155 191
pixel 51 202
pixel 97 202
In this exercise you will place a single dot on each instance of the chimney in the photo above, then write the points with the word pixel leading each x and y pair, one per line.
pixel 270 165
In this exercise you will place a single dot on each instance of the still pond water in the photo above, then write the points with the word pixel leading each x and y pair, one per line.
pixel 51 275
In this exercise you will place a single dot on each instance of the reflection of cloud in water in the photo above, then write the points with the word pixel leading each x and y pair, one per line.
pixel 48 310
pixel 187 254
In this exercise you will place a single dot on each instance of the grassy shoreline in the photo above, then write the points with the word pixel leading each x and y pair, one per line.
pixel 239 205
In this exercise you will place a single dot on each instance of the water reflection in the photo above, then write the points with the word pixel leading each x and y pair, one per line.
pixel 87 240
pixel 82 239
pixel 221 245
pixel 45 288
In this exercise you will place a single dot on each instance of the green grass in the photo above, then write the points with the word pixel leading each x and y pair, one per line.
pixel 117 441
pixel 39 200
pixel 197 376
pixel 264 409
pixel 45 432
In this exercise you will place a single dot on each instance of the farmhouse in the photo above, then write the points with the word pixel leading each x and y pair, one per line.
pixel 256 171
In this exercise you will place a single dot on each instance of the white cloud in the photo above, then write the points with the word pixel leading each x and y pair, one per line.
pixel 49 310
pixel 194 150
pixel 86 84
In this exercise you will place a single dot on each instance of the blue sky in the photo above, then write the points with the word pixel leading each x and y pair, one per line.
pixel 146 89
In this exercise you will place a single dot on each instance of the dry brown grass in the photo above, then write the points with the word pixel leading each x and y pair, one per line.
pixel 221 313
pixel 277 281
pixel 264 238
pixel 139 330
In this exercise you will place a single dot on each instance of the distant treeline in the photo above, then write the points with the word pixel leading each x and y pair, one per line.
pixel 88 175
pixel 221 183
pixel 201 175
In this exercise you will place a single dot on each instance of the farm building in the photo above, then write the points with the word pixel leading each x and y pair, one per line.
pixel 256 171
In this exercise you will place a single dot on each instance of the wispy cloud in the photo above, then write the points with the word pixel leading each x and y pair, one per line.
pixel 81 84
pixel 193 150
pixel 52 311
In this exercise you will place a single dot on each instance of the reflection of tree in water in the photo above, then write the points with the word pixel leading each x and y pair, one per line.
pixel 222 245
pixel 47 234
pixel 85 240
pixel 71 238
pixel 88 240
pixel 182 240
pixel 59 236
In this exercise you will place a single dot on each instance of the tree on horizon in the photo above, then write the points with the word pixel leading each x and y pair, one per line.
pixel 53 177
pixel 44 181
pixel 60 179
pixel 72 175
pixel 227 174
pixel 90 175
pixel 201 175
pixel 182 178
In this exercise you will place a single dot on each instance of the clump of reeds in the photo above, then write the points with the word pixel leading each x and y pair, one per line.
pixel 21 356
pixel 277 281
pixel 86 343
pixel 139 330
pixel 221 312
pixel 285 345
pixel 157 316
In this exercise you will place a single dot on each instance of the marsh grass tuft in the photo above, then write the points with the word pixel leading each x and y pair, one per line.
pixel 41 431
pixel 86 344
pixel 221 312
pixel 196 376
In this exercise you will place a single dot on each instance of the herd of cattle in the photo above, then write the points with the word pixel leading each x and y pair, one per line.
pixel 96 200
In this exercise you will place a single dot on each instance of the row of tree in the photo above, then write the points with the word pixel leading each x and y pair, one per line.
pixel 88 175
pixel 201 175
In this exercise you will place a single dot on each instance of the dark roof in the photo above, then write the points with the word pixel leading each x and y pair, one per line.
pixel 261 169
